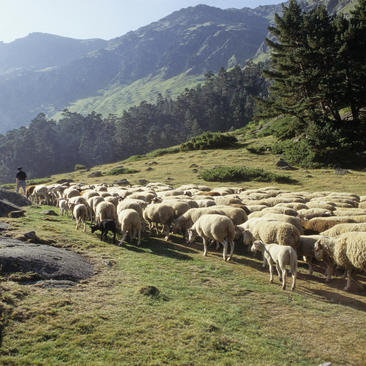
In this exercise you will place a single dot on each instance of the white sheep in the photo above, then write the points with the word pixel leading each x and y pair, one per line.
pixel 105 211
pixel 159 213
pixel 348 251
pixel 214 227
pixel 129 222
pixel 305 249
pixel 279 255
pixel 80 212
pixel 64 207
pixel 270 231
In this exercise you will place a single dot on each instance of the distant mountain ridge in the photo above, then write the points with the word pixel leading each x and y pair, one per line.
pixel 47 73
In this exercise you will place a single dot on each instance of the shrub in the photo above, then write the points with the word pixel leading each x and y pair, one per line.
pixel 209 140
pixel 79 167
pixel 121 170
pixel 233 174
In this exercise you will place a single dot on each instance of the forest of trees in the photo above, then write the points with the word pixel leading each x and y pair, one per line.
pixel 317 80
pixel 224 101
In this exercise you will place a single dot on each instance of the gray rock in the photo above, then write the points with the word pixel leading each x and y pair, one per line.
pixel 55 284
pixel 282 163
pixel 62 181
pixel 122 182
pixel 341 171
pixel 149 169
pixel 193 166
pixel 4 226
pixel 15 214
pixel 14 198
pixel 95 174
pixel 143 182
pixel 47 261
pixel 48 213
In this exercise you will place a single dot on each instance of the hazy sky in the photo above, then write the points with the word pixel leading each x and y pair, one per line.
pixel 94 18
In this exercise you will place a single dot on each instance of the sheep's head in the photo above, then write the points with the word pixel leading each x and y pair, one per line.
pixel 318 250
pixel 256 246
pixel 248 238
pixel 191 235
pixel 94 228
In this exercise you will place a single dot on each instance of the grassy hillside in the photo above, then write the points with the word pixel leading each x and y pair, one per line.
pixel 176 168
pixel 207 312
pixel 119 98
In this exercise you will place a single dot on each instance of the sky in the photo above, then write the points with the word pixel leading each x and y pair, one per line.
pixel 83 19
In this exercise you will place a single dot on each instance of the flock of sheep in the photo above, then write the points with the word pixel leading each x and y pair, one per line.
pixel 285 226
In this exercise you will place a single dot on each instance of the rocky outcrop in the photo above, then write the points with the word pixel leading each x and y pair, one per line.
pixel 48 262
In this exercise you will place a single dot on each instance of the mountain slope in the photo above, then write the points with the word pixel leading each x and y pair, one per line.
pixel 40 50
pixel 45 73
pixel 188 42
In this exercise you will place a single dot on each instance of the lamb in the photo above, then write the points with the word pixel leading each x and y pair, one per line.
pixel 348 251
pixel 159 213
pixel 80 212
pixel 105 211
pixel 280 255
pixel 129 221
pixel 105 226
pixel 214 227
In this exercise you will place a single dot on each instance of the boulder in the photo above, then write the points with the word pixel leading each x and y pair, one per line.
pixel 48 213
pixel 4 226
pixel 15 214
pixel 6 207
pixel 14 198
pixel 95 174
pixel 48 262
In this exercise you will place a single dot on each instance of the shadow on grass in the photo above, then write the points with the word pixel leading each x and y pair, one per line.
pixel 161 247
pixel 335 298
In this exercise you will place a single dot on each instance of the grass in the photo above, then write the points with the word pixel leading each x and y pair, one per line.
pixel 207 311
pixel 118 98
pixel 176 167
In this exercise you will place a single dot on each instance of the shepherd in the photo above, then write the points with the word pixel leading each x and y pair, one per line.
pixel 20 180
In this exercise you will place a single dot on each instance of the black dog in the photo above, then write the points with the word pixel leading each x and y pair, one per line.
pixel 105 226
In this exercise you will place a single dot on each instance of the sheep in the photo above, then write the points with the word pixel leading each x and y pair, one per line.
pixel 320 224
pixel 279 255
pixel 348 251
pixel 179 207
pixel 274 210
pixel 105 226
pixel 80 212
pixel 105 211
pixel 64 207
pixel 214 227
pixel 129 221
pixel 285 218
pixel 137 205
pixel 305 249
pixel 159 213
pixel 344 228
pixel 238 215
pixel 279 232
pixel 308 214
pixel 41 193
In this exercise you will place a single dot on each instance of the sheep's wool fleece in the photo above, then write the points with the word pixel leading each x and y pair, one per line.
pixel 344 228
pixel 350 249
